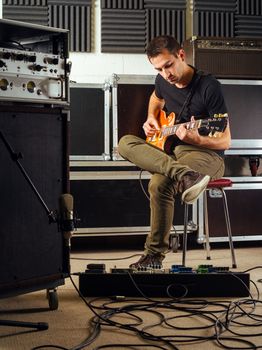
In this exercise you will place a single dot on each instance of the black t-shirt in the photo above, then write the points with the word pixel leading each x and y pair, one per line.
pixel 206 101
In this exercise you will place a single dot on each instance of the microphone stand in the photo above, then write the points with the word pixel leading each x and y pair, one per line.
pixel 15 157
pixel 52 219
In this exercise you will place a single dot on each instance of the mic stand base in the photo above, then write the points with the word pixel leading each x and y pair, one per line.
pixel 41 326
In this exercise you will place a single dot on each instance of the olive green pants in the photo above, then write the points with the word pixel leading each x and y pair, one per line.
pixel 166 171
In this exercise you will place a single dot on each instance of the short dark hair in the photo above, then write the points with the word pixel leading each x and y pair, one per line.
pixel 160 43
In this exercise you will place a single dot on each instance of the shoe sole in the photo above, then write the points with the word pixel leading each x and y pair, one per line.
pixel 199 188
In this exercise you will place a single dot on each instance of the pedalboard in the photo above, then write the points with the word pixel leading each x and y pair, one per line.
pixel 177 282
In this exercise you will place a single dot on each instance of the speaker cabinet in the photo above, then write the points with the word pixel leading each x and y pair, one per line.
pixel 32 250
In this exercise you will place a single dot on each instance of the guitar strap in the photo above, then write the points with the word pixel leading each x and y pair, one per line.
pixel 197 77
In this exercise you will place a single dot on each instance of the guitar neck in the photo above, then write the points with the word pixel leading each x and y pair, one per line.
pixel 171 130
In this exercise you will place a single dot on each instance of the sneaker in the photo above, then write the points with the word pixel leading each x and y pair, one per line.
pixel 192 185
pixel 148 261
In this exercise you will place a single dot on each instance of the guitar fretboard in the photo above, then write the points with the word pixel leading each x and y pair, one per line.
pixel 171 130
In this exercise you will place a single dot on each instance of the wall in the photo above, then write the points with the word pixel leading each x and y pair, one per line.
pixel 224 18
pixel 96 67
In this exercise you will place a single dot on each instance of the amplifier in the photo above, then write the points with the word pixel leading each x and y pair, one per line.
pixel 32 76
pixel 33 64
pixel 226 57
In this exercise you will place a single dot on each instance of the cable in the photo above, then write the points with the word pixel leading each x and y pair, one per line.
pixel 107 321
pixel 13 44
pixel 221 321
pixel 252 268
pixel 142 346
pixel 142 186
pixel 49 346
pixel 111 259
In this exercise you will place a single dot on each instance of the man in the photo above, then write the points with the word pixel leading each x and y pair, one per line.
pixel 195 159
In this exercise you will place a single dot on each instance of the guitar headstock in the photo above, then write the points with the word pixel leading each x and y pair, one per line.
pixel 215 125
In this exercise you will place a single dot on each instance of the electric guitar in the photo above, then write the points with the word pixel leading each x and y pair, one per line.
pixel 164 140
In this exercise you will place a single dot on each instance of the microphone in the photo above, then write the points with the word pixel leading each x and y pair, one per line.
pixel 67 222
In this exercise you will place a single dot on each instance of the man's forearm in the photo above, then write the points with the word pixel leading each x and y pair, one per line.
pixel 220 142
pixel 155 105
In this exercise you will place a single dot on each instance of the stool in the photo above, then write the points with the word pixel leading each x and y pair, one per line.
pixel 219 184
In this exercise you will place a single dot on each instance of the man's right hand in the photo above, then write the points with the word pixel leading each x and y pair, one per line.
pixel 151 126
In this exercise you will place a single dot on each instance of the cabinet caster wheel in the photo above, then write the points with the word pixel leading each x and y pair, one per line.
pixel 52 299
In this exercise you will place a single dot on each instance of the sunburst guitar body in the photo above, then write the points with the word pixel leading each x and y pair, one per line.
pixel 165 139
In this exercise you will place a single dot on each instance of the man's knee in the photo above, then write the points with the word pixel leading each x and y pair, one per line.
pixel 125 143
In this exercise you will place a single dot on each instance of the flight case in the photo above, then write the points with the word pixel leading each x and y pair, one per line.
pixel 242 160
pixel 130 96
pixel 89 114
pixel 110 200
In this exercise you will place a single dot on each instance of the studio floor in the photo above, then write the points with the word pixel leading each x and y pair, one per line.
pixel 137 322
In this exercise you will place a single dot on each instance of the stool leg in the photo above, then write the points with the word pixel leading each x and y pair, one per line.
pixel 229 232
pixel 206 226
pixel 185 235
